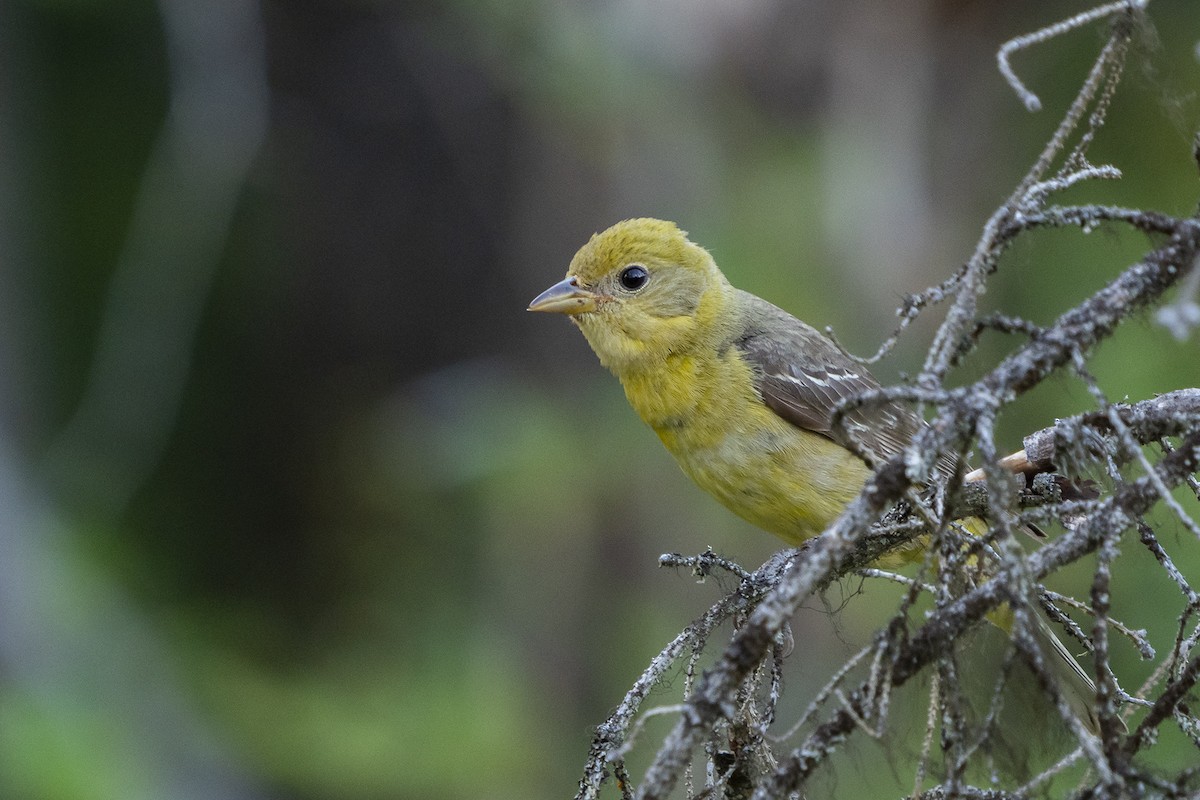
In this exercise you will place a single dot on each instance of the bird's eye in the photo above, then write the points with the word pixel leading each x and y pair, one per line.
pixel 633 277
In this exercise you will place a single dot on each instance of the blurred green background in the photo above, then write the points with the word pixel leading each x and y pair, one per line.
pixel 295 499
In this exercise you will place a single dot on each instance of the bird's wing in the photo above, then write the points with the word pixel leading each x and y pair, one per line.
pixel 802 376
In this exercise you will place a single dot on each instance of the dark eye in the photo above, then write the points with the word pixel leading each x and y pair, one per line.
pixel 633 277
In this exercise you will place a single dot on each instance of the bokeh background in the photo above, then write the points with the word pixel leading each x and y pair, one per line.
pixel 295 499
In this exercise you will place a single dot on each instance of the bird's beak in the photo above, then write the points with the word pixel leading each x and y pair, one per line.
pixel 565 297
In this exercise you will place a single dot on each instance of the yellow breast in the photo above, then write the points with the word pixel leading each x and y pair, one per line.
pixel 788 481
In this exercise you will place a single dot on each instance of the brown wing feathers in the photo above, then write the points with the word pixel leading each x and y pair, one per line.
pixel 803 377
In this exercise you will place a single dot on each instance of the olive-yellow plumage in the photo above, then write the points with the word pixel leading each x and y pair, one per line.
pixel 740 392
pixel 685 345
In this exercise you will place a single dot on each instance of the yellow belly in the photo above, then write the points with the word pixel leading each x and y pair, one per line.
pixel 786 480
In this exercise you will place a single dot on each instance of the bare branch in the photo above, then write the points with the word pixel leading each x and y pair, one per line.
pixel 971 570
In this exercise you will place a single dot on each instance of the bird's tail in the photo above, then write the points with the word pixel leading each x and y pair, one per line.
pixel 1076 685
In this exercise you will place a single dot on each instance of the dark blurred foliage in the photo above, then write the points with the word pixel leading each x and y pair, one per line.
pixel 389 536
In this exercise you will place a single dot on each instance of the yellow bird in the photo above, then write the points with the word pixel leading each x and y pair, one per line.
pixel 741 392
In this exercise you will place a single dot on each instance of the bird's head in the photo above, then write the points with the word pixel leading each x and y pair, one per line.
pixel 639 291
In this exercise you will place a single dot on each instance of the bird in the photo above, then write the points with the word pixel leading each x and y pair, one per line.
pixel 742 394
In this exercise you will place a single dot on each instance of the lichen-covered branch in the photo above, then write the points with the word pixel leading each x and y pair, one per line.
pixel 1143 449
